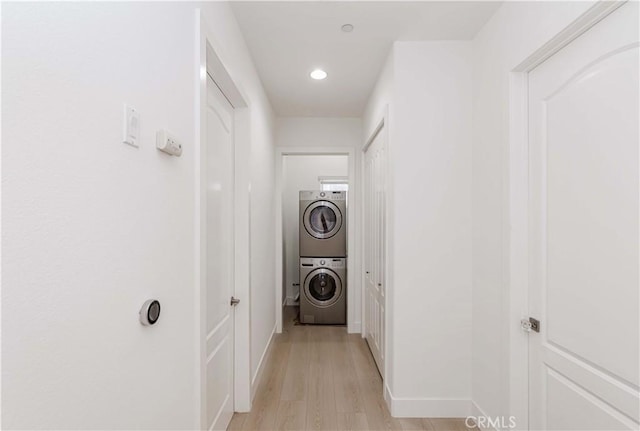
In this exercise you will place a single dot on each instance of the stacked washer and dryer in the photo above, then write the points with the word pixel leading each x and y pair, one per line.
pixel 323 257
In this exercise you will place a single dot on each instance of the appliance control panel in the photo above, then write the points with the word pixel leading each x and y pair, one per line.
pixel 323 195
pixel 324 262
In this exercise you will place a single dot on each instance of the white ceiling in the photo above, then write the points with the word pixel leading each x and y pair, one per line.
pixel 289 39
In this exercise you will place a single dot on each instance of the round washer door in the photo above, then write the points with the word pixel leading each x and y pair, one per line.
pixel 322 287
pixel 322 219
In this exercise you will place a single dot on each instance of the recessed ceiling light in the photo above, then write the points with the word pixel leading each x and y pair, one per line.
pixel 347 28
pixel 318 74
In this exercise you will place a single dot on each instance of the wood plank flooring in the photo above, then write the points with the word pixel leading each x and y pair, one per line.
pixel 321 378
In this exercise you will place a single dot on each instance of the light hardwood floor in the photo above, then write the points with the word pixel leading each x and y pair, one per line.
pixel 321 378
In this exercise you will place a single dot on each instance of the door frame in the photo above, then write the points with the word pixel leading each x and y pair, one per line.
pixel 354 290
pixel 515 192
pixel 210 62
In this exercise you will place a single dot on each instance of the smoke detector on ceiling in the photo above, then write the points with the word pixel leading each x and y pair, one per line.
pixel 347 28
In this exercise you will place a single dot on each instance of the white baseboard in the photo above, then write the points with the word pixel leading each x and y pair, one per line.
pixel 354 328
pixel 387 394
pixel 476 411
pixel 427 407
pixel 255 381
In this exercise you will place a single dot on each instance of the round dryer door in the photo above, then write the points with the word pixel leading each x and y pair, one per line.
pixel 322 219
pixel 322 287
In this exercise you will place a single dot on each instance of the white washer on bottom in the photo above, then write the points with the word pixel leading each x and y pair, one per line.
pixel 323 290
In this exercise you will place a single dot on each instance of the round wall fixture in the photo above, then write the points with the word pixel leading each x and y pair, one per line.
pixel 150 312
pixel 318 74
pixel 347 28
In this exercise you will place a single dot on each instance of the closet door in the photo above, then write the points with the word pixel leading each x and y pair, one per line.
pixel 374 246
pixel 219 334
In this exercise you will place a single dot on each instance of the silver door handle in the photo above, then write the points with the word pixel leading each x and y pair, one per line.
pixel 234 301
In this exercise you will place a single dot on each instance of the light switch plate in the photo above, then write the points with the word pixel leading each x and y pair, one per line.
pixel 131 132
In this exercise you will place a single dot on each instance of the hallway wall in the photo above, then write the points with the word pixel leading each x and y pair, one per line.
pixel 432 221
pixel 482 372
pixel 428 86
pixel 93 227
pixel 511 35
pixel 380 98
pixel 318 132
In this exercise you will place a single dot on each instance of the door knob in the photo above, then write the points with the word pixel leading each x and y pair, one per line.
pixel 234 301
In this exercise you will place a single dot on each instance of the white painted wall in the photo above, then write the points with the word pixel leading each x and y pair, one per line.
pixel 301 173
pixel 516 30
pixel 262 219
pixel 429 354
pixel 318 132
pixel 92 227
pixel 381 97
pixel 431 163
pixel 511 35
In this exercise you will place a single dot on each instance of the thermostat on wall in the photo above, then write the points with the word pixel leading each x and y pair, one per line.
pixel 168 143
pixel 150 312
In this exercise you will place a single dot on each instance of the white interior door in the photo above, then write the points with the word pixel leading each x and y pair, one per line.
pixel 374 246
pixel 219 158
pixel 583 237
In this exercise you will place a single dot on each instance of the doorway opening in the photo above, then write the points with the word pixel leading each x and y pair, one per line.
pixel 304 173
pixel 329 171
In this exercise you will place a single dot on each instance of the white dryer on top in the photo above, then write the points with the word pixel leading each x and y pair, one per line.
pixel 323 224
